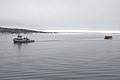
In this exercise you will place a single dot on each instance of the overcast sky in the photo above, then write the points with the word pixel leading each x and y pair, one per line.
pixel 61 14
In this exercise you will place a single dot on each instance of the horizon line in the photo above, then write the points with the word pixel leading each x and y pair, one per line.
pixel 77 31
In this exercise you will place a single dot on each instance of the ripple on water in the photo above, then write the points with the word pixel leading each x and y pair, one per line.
pixel 61 59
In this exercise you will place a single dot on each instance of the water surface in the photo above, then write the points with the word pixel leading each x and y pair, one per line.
pixel 60 57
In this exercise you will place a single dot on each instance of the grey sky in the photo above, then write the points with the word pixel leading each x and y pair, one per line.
pixel 61 14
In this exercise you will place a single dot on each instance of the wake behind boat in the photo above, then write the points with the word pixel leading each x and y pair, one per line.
pixel 19 39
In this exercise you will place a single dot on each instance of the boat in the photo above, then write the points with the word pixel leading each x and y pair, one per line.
pixel 19 39
pixel 108 37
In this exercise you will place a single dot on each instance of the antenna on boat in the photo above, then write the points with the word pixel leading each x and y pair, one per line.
pixel 19 34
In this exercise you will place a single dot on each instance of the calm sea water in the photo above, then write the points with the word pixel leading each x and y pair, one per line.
pixel 60 57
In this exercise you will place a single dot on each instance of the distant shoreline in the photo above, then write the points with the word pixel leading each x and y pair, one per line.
pixel 16 31
pixel 28 31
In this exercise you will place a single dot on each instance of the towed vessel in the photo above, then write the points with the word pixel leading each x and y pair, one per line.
pixel 19 39
pixel 108 37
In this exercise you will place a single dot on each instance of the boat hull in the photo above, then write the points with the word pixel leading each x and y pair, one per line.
pixel 23 41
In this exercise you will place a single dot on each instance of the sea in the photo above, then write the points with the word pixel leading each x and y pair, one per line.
pixel 60 56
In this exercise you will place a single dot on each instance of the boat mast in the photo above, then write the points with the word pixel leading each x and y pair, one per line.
pixel 18 33
pixel 19 36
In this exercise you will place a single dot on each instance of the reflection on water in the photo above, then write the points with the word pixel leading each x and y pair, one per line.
pixel 61 57
pixel 20 45
pixel 20 48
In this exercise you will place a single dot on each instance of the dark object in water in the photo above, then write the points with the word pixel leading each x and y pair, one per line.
pixel 19 39
pixel 108 37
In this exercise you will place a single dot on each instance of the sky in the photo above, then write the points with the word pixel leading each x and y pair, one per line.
pixel 61 14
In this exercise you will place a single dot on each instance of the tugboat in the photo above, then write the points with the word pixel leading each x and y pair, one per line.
pixel 19 39
pixel 108 37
